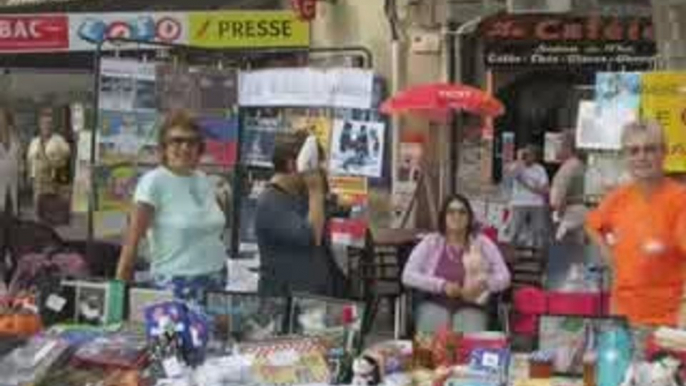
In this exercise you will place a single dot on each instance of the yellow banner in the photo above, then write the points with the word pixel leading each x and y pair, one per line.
pixel 254 29
pixel 662 99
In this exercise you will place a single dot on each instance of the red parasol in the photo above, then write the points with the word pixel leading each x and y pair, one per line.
pixel 438 99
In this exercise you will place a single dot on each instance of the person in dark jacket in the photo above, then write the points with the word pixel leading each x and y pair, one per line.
pixel 290 224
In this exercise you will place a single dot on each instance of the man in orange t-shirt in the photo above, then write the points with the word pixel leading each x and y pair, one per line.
pixel 641 230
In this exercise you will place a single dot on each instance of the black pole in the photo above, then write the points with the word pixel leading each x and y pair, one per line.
pixel 92 196
pixel 452 58
pixel 237 192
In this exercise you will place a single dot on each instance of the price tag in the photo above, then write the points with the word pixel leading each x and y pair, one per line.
pixel 490 360
pixel 55 303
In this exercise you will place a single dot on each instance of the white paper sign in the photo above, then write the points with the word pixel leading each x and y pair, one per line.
pixel 291 87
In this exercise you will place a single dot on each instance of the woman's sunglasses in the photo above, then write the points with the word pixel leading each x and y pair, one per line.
pixel 178 141
pixel 462 211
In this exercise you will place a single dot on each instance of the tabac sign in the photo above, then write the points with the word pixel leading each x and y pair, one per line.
pixel 561 40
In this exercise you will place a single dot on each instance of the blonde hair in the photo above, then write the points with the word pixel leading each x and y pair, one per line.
pixel 650 127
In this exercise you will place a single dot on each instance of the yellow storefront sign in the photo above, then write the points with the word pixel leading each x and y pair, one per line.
pixel 255 29
pixel 662 99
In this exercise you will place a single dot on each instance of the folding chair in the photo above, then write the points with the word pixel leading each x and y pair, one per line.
pixel 375 272
pixel 527 265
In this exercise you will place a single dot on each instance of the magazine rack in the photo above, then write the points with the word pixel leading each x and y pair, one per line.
pixel 244 59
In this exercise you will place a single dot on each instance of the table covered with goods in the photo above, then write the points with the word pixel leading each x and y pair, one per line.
pixel 89 332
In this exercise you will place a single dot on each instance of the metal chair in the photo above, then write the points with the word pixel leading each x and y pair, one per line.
pixel 527 265
pixel 375 273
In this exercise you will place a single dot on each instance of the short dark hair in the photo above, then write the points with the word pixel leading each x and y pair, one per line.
pixel 287 145
pixel 471 220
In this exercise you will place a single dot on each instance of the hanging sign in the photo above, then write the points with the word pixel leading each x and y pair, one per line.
pixel 86 30
pixel 34 33
pixel 292 87
pixel 561 40
pixel 248 29
pixel 306 9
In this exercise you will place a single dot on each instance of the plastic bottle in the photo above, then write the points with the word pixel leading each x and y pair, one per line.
pixel 614 357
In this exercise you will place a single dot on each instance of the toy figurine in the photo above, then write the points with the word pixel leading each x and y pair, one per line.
pixel 366 371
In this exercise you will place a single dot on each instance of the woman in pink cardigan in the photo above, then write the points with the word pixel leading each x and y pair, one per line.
pixel 455 271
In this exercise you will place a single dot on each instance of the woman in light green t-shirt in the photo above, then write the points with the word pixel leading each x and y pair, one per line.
pixel 177 210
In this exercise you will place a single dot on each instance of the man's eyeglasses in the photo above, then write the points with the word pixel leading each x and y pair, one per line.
pixel 634 151
pixel 178 141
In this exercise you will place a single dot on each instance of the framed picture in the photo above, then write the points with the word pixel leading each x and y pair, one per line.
pixel 245 317
pixel 98 302
pixel 568 337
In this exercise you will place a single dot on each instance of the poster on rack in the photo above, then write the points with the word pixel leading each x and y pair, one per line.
pixel 221 140
pixel 115 188
pixel 127 85
pixel 196 88
pixel 357 148
pixel 316 124
pixel 177 88
pixel 617 98
pixel 259 135
pixel 663 101
pixel 116 185
pixel 127 136
pixel 349 190
pixel 410 153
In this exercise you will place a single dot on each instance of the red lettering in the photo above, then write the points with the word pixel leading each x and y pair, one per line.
pixel 501 29
pixel 593 27
pixel 548 30
pixel 614 31
pixel 19 29
pixel 634 30
pixel 573 32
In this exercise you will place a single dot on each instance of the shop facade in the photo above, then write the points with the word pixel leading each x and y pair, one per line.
pixel 542 66
pixel 48 58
